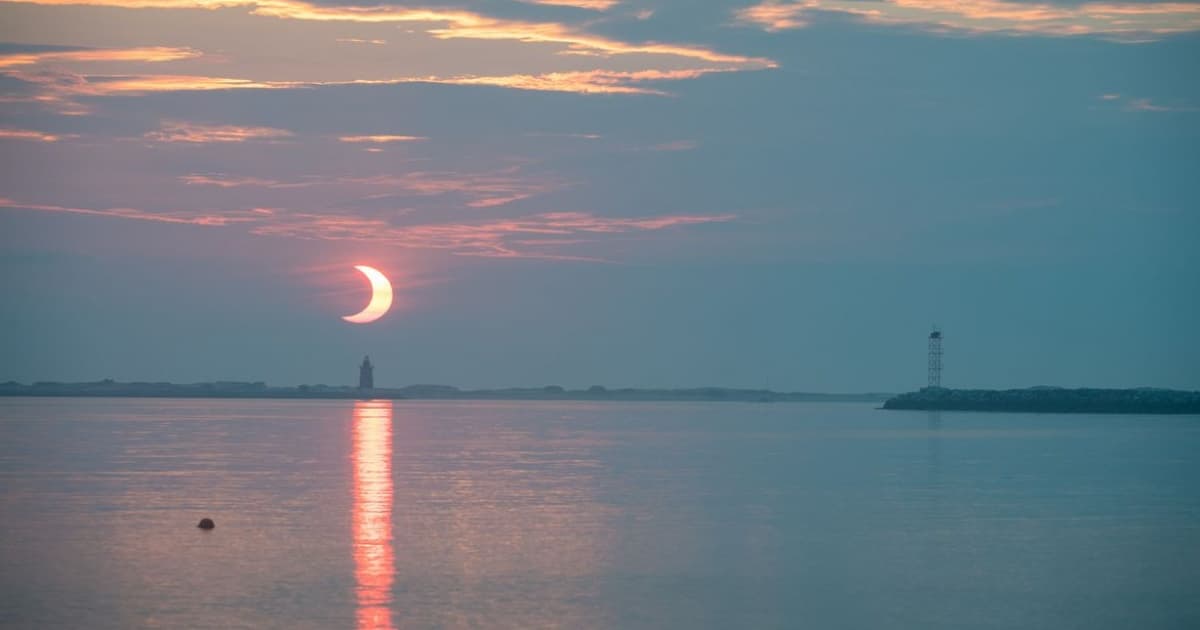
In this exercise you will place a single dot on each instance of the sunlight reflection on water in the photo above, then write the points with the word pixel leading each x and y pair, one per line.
pixel 374 563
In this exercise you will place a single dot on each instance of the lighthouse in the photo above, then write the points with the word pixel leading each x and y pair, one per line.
pixel 366 374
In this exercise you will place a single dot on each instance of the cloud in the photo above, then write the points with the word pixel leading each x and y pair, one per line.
pixel 591 5
pixel 473 190
pixel 590 82
pixel 381 138
pixel 578 136
pixel 178 131
pixel 442 23
pixel 533 236
pixel 210 219
pixel 28 134
pixel 61 91
pixel 152 54
pixel 1147 105
pixel 1131 104
pixel 480 190
pixel 1123 21
pixel 676 145
pixel 228 181
pixel 308 49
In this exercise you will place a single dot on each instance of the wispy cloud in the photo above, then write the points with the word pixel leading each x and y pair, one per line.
pixel 211 219
pixel 534 236
pixel 179 131
pixel 1147 105
pixel 545 55
pixel 221 180
pixel 591 5
pixel 153 54
pixel 480 190
pixel 1125 21
pixel 381 139
pixel 587 82
pixel 29 134
pixel 61 91
pixel 443 23
pixel 1143 104
pixel 471 190
pixel 579 136
pixel 676 145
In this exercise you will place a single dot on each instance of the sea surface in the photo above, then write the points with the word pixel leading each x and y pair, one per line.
pixel 344 514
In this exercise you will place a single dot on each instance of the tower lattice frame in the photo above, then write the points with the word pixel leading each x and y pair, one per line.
pixel 935 358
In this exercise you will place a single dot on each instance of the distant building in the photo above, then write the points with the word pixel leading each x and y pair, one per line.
pixel 366 374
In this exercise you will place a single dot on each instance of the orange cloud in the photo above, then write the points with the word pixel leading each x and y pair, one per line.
pixel 1128 20
pixel 177 131
pixel 63 77
pixel 153 54
pixel 28 134
pixel 451 23
pixel 591 5
pixel 584 82
pixel 381 138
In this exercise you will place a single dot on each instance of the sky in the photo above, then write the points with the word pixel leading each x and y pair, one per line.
pixel 630 193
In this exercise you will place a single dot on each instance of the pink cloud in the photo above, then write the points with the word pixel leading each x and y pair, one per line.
pixel 28 134
pixel 210 219
pixel 532 236
pixel 382 138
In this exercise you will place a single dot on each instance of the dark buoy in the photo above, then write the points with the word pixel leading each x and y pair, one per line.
pixel 206 523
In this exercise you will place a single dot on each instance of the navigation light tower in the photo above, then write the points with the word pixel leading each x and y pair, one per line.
pixel 935 358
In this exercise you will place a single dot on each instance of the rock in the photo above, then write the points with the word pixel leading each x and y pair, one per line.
pixel 206 523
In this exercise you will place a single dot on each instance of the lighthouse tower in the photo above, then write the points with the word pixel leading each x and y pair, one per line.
pixel 366 374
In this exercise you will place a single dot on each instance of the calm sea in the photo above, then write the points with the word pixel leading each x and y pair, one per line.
pixel 342 514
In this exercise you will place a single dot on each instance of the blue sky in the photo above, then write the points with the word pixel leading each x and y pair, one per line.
pixel 616 193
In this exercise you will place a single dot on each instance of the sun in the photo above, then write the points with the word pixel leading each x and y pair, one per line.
pixel 381 297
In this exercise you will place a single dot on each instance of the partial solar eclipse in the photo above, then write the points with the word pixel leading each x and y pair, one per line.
pixel 381 297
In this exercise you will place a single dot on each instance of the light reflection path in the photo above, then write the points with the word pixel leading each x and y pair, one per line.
pixel 374 562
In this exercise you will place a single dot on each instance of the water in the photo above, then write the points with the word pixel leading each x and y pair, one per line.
pixel 342 514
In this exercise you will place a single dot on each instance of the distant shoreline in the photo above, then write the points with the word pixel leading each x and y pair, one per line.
pixel 1050 400
pixel 244 390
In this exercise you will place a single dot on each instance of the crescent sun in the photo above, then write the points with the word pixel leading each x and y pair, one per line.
pixel 381 297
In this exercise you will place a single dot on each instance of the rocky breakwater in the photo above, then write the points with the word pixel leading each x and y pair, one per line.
pixel 1050 400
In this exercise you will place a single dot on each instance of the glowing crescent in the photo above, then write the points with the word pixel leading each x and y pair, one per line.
pixel 381 297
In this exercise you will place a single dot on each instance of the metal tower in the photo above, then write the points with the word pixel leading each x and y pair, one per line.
pixel 935 358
